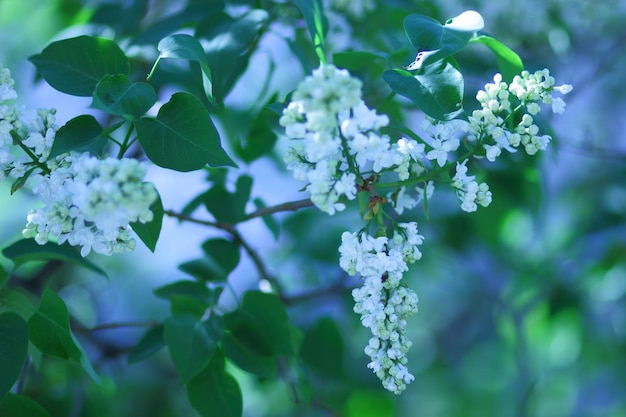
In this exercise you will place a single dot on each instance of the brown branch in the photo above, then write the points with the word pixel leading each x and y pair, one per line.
pixel 222 226
pixel 265 211
pixel 254 257
pixel 289 206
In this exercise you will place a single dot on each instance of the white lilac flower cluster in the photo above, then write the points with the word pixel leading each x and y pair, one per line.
pixel 490 124
pixel 383 303
pixel 331 122
pixel 88 202
pixel 338 144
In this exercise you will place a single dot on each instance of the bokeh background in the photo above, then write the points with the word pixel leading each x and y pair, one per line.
pixel 522 304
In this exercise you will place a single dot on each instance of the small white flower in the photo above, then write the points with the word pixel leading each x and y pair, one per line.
pixel 468 21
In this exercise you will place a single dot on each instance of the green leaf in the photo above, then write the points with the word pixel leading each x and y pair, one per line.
pixel 193 289
pixel 20 182
pixel 21 406
pixel 191 343
pixel 223 255
pixel 509 63
pixel 214 392
pixel 438 92
pixel 148 345
pixel 74 66
pixel 182 136
pixel 229 207
pixel 27 250
pixel 13 349
pixel 17 300
pixel 313 11
pixel 188 305
pixel 269 220
pixel 260 139
pixel 116 95
pixel 427 34
pixel 356 60
pixel 183 46
pixel 229 46
pixel 243 349
pixel 81 134
pixel 201 269
pixel 149 232
pixel 322 348
pixel 4 277
pixel 265 313
pixel 49 330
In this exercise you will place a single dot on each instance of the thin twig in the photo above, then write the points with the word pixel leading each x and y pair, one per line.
pixel 183 217
pixel 289 206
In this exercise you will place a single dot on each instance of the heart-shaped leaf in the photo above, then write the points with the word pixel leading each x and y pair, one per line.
pixel 182 136
pixel 76 65
pixel 438 91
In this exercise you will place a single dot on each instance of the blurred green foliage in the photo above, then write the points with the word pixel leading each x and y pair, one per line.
pixel 522 304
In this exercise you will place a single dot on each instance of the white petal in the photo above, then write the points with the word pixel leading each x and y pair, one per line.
pixel 420 58
pixel 469 21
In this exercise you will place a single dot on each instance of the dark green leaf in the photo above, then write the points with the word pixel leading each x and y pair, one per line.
pixel 187 305
pixel 194 11
pixel 49 328
pixel 187 47
pixel 74 66
pixel 149 232
pixel 322 348
pixel 260 139
pixel 269 220
pixel 81 134
pixel 13 349
pixel 193 289
pixel 201 269
pixel 438 92
pixel 191 343
pixel 229 207
pixel 20 182
pixel 116 95
pixel 229 47
pixel 182 136
pixel 427 34
pixel 265 313
pixel 124 17
pixel 21 406
pixel 224 256
pixel 19 301
pixel 356 60
pixel 242 349
pixel 3 277
pixel 148 345
pixel 509 63
pixel 214 392
pixel 27 250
